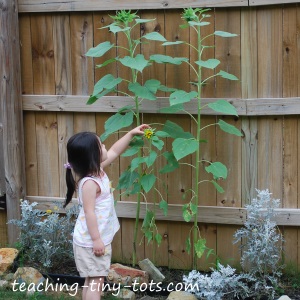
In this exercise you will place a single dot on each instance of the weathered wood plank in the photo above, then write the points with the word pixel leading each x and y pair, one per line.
pixel 270 2
pixel 270 135
pixel 229 146
pixel 113 104
pixel 11 112
pixel 208 214
pixel 249 90
pixel 95 5
pixel 260 106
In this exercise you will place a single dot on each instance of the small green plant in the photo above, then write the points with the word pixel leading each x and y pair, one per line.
pixel 45 239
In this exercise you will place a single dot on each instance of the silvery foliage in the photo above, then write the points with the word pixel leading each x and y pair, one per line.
pixel 45 237
pixel 261 243
pixel 220 284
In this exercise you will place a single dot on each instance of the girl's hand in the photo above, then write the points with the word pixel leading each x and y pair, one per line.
pixel 139 130
pixel 98 247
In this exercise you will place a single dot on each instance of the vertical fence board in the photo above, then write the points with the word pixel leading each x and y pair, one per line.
pixel 63 86
pixel 81 28
pixel 228 146
pixel 249 90
pixel 270 85
pixel 11 112
pixel 179 183
pixel 290 130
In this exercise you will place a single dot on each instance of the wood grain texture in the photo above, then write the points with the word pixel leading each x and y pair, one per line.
pixel 11 117
pixel 94 5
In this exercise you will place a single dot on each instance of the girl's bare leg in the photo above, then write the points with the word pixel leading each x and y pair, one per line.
pixel 93 288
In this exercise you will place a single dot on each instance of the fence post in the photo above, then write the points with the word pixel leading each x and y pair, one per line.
pixel 11 115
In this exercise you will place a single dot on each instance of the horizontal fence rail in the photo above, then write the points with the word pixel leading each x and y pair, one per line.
pixel 207 214
pixel 26 6
pixel 95 5
pixel 245 107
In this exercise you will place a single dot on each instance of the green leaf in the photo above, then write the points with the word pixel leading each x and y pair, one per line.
pixel 172 163
pixel 224 34
pixel 137 63
pixel 100 49
pixel 186 213
pixel 229 128
pixel 162 134
pixel 193 208
pixel 107 82
pixel 175 131
pixel 148 181
pixel 116 122
pixel 154 36
pixel 173 43
pixel 166 89
pixel 163 205
pixel 224 107
pixel 137 141
pixel 158 238
pixel 149 160
pixel 139 21
pixel 227 75
pixel 181 96
pixel 193 23
pixel 210 63
pixel 218 187
pixel 107 62
pixel 172 109
pixel 188 245
pixel 141 91
pixel 148 235
pixel 115 29
pixel 156 142
pixel 183 147
pixel 217 169
pixel 125 108
pixel 126 179
pixel 136 162
pixel 200 247
pixel 91 100
pixel 148 219
pixel 164 59
pixel 130 151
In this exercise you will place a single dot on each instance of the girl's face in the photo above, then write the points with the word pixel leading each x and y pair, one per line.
pixel 104 152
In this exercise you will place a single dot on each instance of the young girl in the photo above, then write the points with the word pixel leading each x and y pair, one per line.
pixel 97 222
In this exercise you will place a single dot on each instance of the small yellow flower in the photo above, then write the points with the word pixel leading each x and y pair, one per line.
pixel 55 208
pixel 48 211
pixel 148 133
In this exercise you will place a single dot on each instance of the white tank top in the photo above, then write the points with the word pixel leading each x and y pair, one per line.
pixel 107 220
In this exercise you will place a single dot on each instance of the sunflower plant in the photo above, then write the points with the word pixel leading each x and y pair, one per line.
pixel 184 143
pixel 140 177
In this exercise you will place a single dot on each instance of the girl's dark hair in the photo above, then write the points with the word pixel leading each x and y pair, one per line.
pixel 84 156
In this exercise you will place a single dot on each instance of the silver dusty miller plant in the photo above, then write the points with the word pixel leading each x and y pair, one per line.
pixel 45 239
pixel 261 243
pixel 220 284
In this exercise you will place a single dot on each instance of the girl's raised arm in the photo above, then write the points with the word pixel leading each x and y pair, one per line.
pixel 119 146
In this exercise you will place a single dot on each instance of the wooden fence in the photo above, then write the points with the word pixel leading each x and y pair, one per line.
pixel 57 78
